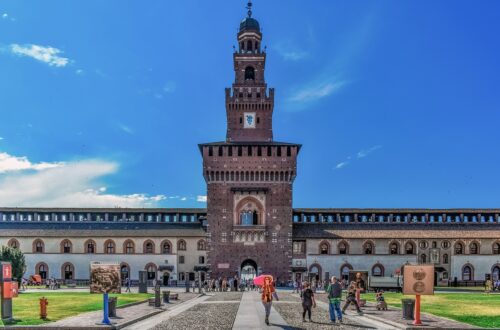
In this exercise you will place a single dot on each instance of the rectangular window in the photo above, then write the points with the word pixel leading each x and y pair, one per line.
pixel 181 259
pixel 299 247
pixel 201 260
pixel 259 151
pixel 210 151
pixel 230 151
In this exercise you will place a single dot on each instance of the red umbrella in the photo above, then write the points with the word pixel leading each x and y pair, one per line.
pixel 259 280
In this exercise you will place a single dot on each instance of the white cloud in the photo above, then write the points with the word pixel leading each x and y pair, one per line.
pixel 5 16
pixel 364 153
pixel 359 155
pixel 49 55
pixel 290 52
pixel 184 199
pixel 63 184
pixel 341 164
pixel 79 72
pixel 1 138
pixel 316 92
pixel 126 129
pixel 201 198
pixel 13 163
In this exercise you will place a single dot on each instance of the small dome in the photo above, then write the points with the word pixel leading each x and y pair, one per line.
pixel 249 24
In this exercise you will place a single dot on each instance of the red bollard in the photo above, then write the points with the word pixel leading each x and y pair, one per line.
pixel 43 308
pixel 417 320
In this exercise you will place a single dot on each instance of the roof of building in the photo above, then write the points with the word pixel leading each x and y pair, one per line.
pixel 100 229
pixel 249 24
pixel 395 230
pixel 109 210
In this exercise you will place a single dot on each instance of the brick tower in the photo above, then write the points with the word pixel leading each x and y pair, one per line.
pixel 249 176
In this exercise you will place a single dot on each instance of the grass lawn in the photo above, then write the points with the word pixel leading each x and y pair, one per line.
pixel 478 309
pixel 26 307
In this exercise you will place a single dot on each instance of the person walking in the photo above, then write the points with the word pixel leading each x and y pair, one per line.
pixel 334 291
pixel 127 284
pixel 351 298
pixel 308 302
pixel 268 292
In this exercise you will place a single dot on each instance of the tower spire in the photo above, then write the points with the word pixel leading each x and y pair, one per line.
pixel 249 7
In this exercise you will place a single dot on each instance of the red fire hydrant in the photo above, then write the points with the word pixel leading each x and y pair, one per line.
pixel 43 308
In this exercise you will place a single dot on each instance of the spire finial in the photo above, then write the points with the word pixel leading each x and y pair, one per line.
pixel 249 7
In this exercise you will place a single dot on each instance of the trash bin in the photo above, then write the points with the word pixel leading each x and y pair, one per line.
pixel 166 296
pixel 112 301
pixel 408 306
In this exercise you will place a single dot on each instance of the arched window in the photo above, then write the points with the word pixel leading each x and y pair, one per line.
pixel 467 273
pixel 344 271
pixel 43 270
pixel 343 248
pixel 202 245
pixel 324 248
pixel 496 248
pixel 38 246
pixel 249 45
pixel 394 248
pixel 250 212
pixel 474 248
pixel 148 247
pixel 423 258
pixel 90 246
pixel 66 246
pixel 68 271
pixel 249 73
pixel 445 258
pixel 368 248
pixel 181 245
pixel 409 248
pixel 378 270
pixel 110 247
pixel 151 269
pixel 459 248
pixel 166 247
pixel 129 247
pixel 13 243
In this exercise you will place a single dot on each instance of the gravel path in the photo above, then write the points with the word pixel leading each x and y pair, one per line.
pixel 203 316
pixel 225 296
pixel 292 313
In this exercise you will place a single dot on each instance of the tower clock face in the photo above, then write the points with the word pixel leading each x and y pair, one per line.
pixel 249 120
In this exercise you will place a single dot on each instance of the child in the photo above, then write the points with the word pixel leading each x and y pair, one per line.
pixel 381 304
pixel 308 301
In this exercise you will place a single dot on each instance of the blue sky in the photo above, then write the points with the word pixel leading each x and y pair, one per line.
pixel 396 103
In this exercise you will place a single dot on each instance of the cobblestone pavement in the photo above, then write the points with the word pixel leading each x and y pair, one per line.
pixel 203 316
pixel 292 313
pixel 225 296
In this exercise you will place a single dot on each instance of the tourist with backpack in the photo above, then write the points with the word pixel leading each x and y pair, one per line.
pixel 308 301
pixel 334 291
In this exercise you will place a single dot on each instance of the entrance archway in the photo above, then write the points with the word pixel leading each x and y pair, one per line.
pixel 166 277
pixel 248 269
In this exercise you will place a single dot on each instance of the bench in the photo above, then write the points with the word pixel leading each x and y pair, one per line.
pixel 174 296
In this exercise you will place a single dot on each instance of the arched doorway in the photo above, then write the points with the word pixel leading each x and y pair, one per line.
pixel 315 272
pixel 124 272
pixel 165 278
pixel 248 269
pixel 495 272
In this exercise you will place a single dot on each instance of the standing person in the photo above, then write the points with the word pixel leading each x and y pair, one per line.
pixel 308 301
pixel 268 292
pixel 334 291
pixel 127 284
pixel 295 287
pixel 351 298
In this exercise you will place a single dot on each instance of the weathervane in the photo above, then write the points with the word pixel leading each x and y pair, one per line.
pixel 249 7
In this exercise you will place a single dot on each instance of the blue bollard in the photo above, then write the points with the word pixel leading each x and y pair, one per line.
pixel 105 319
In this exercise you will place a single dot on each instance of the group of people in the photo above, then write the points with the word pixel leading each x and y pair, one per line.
pixel 229 284
pixel 334 291
pixel 492 285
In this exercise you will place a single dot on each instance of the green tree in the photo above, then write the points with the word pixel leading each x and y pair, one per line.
pixel 16 258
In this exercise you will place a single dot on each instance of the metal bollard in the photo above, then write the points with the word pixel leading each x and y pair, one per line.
pixel 43 308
